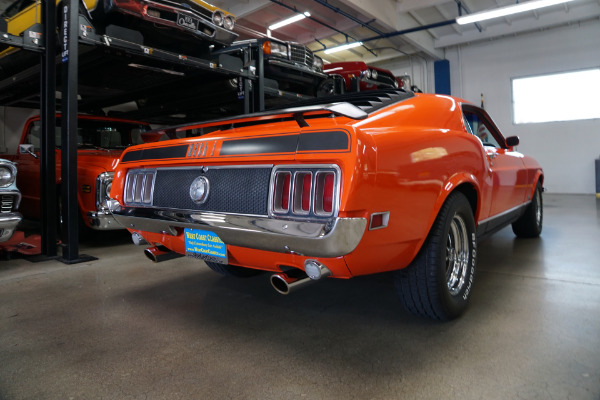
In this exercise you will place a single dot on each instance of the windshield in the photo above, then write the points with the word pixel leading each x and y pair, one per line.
pixel 95 133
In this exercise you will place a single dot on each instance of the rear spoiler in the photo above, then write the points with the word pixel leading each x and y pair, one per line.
pixel 342 109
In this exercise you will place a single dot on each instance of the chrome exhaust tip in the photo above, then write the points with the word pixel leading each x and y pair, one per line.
pixel 160 253
pixel 284 283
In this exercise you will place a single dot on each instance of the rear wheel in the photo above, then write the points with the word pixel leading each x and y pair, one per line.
pixel 232 270
pixel 438 283
pixel 529 225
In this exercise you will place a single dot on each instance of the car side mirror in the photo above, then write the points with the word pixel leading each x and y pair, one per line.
pixel 512 141
pixel 27 149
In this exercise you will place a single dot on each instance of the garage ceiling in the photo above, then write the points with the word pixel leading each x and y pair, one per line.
pixel 107 79
pixel 366 20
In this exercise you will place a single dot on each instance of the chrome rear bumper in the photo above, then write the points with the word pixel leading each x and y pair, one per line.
pixel 334 238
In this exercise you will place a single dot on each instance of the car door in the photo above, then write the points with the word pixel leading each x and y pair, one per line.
pixel 506 169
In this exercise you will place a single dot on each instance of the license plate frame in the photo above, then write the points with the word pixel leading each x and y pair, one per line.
pixel 205 245
pixel 188 22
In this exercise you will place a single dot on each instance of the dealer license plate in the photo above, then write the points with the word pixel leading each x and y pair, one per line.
pixel 187 22
pixel 205 245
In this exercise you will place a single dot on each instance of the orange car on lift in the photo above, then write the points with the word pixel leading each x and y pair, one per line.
pixel 338 187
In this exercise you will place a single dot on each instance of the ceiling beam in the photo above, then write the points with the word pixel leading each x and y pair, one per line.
pixel 444 14
pixel 387 14
pixel 411 5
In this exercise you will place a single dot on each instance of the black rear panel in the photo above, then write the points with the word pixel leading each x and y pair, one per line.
pixel 232 190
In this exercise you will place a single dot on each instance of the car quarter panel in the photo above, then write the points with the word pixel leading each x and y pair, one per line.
pixel 421 157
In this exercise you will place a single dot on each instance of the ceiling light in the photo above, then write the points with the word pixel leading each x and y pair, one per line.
pixel 288 21
pixel 509 10
pixel 343 47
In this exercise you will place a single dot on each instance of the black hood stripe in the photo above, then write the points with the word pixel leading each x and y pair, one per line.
pixel 157 153
pixel 304 142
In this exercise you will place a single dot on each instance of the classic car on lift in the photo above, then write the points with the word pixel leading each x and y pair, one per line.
pixel 339 187
pixel 358 76
pixel 10 197
pixel 100 142
pixel 286 66
pixel 160 21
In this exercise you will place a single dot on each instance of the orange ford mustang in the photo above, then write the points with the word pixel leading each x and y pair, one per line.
pixel 337 187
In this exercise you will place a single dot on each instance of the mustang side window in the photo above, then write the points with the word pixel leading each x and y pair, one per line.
pixel 477 126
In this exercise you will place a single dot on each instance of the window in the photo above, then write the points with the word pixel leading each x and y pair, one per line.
pixel 478 126
pixel 567 96
pixel 94 133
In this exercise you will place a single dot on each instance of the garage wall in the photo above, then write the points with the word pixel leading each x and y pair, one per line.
pixel 566 150
pixel 12 121
pixel 420 70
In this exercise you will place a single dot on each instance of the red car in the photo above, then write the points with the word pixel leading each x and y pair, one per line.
pixel 101 141
pixel 363 75
pixel 337 187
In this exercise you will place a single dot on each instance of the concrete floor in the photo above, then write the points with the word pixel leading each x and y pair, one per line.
pixel 124 328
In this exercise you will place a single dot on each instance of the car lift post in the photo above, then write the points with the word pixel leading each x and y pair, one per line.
pixel 69 52
pixel 48 140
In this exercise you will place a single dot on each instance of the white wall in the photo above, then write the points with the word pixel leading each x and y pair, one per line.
pixel 420 70
pixel 566 150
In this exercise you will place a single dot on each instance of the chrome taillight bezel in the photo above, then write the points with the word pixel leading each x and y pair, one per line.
pixel 144 180
pixel 278 180
pixel 297 173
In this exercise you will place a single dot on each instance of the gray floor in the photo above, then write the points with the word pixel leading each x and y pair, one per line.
pixel 124 328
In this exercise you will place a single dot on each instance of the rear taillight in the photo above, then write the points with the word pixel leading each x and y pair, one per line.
pixel 302 192
pixel 139 187
pixel 281 190
pixel 307 192
pixel 324 193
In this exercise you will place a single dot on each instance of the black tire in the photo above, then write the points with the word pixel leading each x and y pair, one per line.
pixel 438 283
pixel 529 225
pixel 233 270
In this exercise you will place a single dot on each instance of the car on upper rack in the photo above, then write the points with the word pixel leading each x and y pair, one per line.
pixel 339 187
pixel 100 142
pixel 287 72
pixel 10 197
pixel 289 69
pixel 358 76
pixel 161 22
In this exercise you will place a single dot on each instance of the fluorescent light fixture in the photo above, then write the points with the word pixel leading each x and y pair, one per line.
pixel 288 21
pixel 508 10
pixel 343 47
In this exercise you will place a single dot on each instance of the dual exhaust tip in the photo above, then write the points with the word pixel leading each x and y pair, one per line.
pixel 283 283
